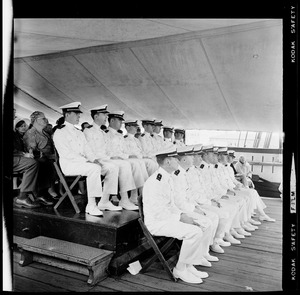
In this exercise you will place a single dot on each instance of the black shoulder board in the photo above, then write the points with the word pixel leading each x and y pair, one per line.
pixel 216 166
pixel 125 136
pixel 106 130
pixel 187 169
pixel 151 135
pixel 158 177
pixel 61 126
pixel 202 166
pixel 177 172
pixel 225 165
pixel 174 142
pixel 143 134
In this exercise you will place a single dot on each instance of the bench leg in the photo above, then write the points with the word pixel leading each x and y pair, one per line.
pixel 26 258
pixel 96 273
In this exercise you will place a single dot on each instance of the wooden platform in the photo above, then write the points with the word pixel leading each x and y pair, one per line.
pixel 255 265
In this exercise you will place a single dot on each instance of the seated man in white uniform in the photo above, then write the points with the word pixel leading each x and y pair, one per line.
pixel 198 194
pixel 168 133
pixel 116 147
pixel 133 146
pixel 146 139
pixel 185 203
pixel 116 171
pixel 163 218
pixel 259 204
pixel 235 185
pixel 179 135
pixel 217 194
pixel 157 139
pixel 76 157
pixel 244 198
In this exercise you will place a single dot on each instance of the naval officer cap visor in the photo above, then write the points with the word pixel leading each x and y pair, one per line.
pixel 74 107
pixel 177 130
pixel 223 151
pixel 148 122
pixel 198 149
pixel 171 152
pixel 208 148
pixel 167 128
pixel 231 153
pixel 131 123
pixel 118 115
pixel 185 151
pixel 100 109
pixel 158 123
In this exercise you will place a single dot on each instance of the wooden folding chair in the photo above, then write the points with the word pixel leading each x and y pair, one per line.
pixel 63 180
pixel 158 252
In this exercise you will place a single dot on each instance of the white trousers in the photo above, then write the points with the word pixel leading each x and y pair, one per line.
pixel 90 170
pixel 224 222
pixel 250 199
pixel 126 181
pixel 233 209
pixel 138 172
pixel 212 219
pixel 259 203
pixel 110 171
pixel 243 206
pixel 151 166
pixel 192 250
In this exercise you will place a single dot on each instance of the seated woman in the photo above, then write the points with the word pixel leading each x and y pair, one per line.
pixel 23 162
pixel 40 143
pixel 244 173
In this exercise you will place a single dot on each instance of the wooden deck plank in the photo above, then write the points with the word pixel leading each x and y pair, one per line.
pixel 256 263
pixel 53 277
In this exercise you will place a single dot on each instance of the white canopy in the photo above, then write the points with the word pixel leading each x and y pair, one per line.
pixel 222 74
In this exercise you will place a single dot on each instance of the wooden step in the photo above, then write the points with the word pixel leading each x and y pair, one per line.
pixel 66 255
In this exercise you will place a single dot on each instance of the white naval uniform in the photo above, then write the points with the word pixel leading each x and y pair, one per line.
pixel 242 201
pixel 217 192
pixel 258 202
pixel 157 141
pixel 147 144
pixel 75 156
pixel 179 143
pixel 116 148
pixel 199 193
pixel 239 191
pixel 184 203
pixel 117 171
pixel 133 147
pixel 162 217
pixel 168 143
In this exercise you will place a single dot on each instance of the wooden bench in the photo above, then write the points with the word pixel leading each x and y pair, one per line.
pixel 66 255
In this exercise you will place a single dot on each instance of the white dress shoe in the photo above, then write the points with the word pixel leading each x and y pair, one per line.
pixel 186 276
pixel 211 258
pixel 241 231
pixel 204 262
pixel 93 210
pixel 222 243
pixel 108 206
pixel 127 205
pixel 251 225
pixel 216 248
pixel 199 274
pixel 232 240
pixel 236 235
pixel 266 218
pixel 254 222
pixel 248 228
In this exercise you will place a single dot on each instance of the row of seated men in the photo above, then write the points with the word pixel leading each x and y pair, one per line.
pixel 195 197
pixel 189 192
pixel 125 162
